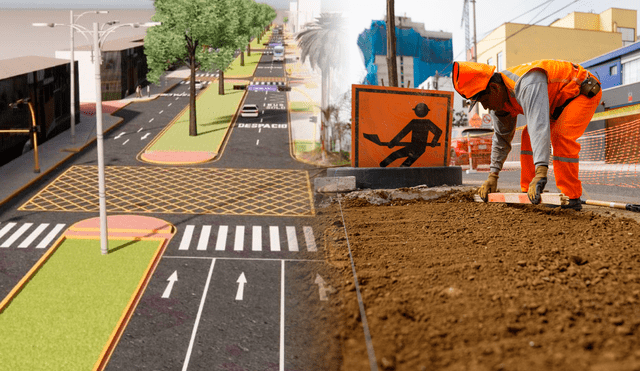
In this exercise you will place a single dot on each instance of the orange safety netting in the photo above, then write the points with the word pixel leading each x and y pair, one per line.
pixel 609 156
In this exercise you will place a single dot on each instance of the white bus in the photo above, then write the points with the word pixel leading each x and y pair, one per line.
pixel 278 53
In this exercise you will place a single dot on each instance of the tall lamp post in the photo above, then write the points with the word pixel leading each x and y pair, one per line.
pixel 72 21
pixel 99 37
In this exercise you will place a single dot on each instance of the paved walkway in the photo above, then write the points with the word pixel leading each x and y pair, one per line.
pixel 18 174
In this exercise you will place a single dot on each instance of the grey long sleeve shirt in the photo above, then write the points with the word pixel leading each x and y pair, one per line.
pixel 532 94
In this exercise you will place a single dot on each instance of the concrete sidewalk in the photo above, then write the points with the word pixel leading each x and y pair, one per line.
pixel 19 174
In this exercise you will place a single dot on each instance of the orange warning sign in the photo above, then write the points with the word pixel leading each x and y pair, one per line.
pixel 475 121
pixel 400 127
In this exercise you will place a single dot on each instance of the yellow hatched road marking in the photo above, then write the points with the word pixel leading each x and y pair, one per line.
pixel 180 190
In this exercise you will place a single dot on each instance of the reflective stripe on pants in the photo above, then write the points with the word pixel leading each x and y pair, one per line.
pixel 564 134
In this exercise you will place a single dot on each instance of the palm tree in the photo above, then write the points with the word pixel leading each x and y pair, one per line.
pixel 323 42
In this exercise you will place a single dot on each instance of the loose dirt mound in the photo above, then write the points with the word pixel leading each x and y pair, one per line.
pixel 450 284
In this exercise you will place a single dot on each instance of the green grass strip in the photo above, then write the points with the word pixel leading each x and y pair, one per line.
pixel 263 39
pixel 250 65
pixel 213 116
pixel 63 317
pixel 301 106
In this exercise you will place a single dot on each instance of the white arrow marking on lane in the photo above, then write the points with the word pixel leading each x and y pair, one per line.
pixel 172 279
pixel 322 289
pixel 241 281
pixel 125 142
pixel 119 135
pixel 145 136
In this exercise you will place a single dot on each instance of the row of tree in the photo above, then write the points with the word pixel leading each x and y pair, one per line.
pixel 205 35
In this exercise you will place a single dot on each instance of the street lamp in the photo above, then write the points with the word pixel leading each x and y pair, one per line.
pixel 99 37
pixel 72 20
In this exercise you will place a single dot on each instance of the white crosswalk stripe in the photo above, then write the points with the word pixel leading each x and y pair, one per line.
pixel 208 239
pixel 31 237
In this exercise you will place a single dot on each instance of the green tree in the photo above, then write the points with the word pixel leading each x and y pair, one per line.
pixel 323 42
pixel 188 27
pixel 254 27
pixel 226 40
pixel 245 16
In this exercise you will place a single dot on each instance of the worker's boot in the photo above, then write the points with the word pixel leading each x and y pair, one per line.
pixel 574 203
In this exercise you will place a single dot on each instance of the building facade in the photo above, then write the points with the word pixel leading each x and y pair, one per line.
pixel 47 83
pixel 575 38
pixel 123 68
pixel 419 53
pixel 303 12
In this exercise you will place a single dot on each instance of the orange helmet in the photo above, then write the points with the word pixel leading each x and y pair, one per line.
pixel 470 78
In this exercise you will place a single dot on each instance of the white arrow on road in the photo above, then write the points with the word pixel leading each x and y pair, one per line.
pixel 119 135
pixel 322 289
pixel 241 281
pixel 145 136
pixel 172 279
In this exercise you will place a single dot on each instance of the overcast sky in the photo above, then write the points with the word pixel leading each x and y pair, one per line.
pixel 435 14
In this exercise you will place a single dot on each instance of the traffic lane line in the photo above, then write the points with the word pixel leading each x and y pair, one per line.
pixel 158 335
pixel 244 332
pixel 305 319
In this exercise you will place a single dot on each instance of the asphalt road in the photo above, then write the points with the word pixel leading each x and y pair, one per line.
pixel 231 292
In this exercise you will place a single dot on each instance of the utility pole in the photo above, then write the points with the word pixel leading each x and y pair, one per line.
pixel 475 42
pixel 391 44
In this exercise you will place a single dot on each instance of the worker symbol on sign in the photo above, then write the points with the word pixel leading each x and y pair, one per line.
pixel 419 129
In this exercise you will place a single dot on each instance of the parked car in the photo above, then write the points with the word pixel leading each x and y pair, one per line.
pixel 249 110
pixel 480 139
pixel 199 85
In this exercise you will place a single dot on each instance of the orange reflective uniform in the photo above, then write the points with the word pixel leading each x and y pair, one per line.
pixel 570 114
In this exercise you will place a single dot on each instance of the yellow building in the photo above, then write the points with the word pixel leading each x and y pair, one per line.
pixel 576 38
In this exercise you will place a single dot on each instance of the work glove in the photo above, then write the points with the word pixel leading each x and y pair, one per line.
pixel 489 186
pixel 537 185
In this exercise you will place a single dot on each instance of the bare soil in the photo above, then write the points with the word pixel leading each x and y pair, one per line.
pixel 451 284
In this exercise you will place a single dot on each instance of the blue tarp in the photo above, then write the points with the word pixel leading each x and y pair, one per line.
pixel 430 55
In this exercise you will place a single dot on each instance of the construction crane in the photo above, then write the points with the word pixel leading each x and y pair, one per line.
pixel 465 22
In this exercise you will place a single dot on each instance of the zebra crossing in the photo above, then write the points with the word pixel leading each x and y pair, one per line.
pixel 207 74
pixel 204 82
pixel 267 83
pixel 249 238
pixel 14 235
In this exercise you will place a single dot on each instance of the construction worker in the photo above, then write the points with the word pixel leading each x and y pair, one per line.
pixel 557 98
